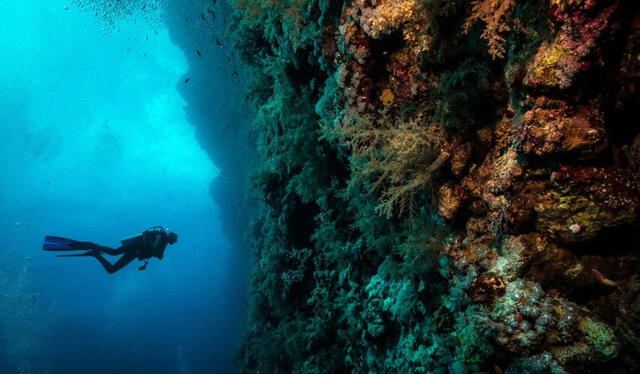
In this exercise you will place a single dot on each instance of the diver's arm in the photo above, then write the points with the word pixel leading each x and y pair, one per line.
pixel 122 262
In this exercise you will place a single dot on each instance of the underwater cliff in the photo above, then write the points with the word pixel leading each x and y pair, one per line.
pixel 443 186
pixel 446 186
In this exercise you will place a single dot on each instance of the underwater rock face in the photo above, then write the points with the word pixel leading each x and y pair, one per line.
pixel 551 129
pixel 473 173
pixel 585 201
pixel 580 31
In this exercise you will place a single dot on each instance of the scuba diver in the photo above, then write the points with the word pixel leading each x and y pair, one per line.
pixel 151 243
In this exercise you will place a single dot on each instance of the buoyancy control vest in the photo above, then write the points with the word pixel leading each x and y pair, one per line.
pixel 147 243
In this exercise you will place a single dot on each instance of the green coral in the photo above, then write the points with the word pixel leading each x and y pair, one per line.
pixel 542 363
pixel 474 336
pixel 278 21
pixel 600 336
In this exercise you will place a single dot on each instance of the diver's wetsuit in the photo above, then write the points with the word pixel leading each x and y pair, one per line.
pixel 147 245
pixel 151 243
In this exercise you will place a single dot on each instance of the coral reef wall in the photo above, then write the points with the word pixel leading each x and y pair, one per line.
pixel 447 186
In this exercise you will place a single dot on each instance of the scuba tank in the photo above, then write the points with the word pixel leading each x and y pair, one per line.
pixel 133 238
pixel 130 239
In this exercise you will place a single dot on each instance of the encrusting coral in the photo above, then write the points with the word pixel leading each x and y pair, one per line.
pixel 448 187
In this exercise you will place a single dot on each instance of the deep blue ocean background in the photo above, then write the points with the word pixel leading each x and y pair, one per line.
pixel 98 143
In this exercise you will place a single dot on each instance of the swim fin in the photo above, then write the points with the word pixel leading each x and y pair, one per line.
pixel 55 243
pixel 89 253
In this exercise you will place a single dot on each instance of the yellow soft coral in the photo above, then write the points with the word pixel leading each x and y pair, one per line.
pixel 552 66
pixel 400 156
pixel 496 14
pixel 387 16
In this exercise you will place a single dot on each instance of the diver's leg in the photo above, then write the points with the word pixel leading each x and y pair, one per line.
pixel 97 247
pixel 114 252
pixel 122 262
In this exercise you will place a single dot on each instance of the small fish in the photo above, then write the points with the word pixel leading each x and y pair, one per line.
pixel 602 279
pixel 234 73
pixel 575 228
pixel 218 42
pixel 187 80
pixel 198 53
pixel 212 13
pixel 202 16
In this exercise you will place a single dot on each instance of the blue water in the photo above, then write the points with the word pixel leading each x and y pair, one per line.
pixel 96 145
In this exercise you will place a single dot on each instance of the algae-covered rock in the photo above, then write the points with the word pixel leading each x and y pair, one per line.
pixel 576 46
pixel 586 201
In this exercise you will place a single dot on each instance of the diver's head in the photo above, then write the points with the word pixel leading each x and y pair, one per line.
pixel 173 237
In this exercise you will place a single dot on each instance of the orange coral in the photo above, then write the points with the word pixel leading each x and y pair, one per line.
pixel 496 14
pixel 486 289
